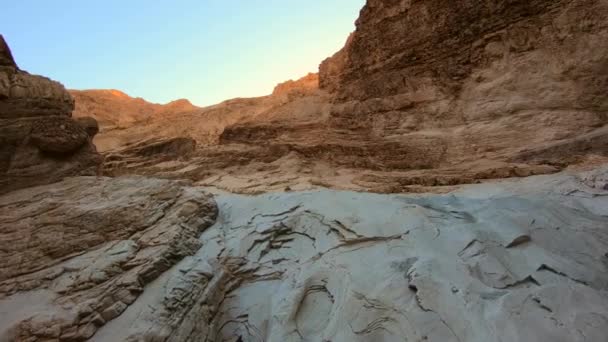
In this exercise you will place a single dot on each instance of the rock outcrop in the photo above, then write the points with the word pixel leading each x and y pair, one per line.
pixel 39 141
pixel 121 260
pixel 76 254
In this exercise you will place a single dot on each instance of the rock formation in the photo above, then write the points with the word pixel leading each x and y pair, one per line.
pixel 511 262
pixel 496 80
pixel 307 85
pixel 40 142
pixel 122 119
pixel 423 94
pixel 76 254
pixel 120 260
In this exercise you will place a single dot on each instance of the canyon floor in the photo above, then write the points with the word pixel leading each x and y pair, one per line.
pixel 511 261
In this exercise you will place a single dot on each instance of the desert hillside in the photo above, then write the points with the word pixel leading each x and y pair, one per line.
pixel 114 109
pixel 125 120
pixel 365 202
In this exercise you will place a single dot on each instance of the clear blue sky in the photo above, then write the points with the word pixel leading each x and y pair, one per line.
pixel 203 50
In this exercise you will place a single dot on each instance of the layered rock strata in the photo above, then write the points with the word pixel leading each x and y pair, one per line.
pixel 39 141
pixel 425 94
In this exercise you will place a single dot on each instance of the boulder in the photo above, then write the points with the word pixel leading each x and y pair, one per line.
pixel 89 124
pixel 58 135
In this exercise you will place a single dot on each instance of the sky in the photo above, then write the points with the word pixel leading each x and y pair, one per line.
pixel 204 50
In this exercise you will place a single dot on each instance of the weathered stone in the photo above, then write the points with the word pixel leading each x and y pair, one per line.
pixel 56 240
pixel 39 142
pixel 342 266
pixel 25 95
pixel 58 135
pixel 89 124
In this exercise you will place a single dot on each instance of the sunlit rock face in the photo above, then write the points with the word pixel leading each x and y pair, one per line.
pixel 122 260
pixel 117 110
pixel 39 141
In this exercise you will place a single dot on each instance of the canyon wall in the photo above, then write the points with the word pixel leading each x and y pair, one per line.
pixel 40 142
pixel 423 94
pixel 514 77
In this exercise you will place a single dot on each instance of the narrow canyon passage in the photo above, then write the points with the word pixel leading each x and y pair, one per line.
pixel 441 175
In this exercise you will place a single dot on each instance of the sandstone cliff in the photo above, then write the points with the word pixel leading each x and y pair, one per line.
pixel 506 81
pixel 39 141
pixel 424 94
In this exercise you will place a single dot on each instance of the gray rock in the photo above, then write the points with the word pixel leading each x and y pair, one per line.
pixel 124 260
pixel 77 253
pixel 343 266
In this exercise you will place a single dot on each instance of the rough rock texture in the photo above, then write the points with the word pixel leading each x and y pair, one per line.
pixel 512 261
pixel 306 85
pixel 58 135
pixel 39 141
pixel 149 154
pixel 76 254
pixel 515 261
pixel 424 94
pixel 6 57
pixel 491 79
pixel 332 68
pixel 126 121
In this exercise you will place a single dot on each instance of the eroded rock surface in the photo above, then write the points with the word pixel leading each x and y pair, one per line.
pixel 76 254
pixel 39 141
pixel 512 261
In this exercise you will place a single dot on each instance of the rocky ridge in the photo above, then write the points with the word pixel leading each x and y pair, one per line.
pixel 116 112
